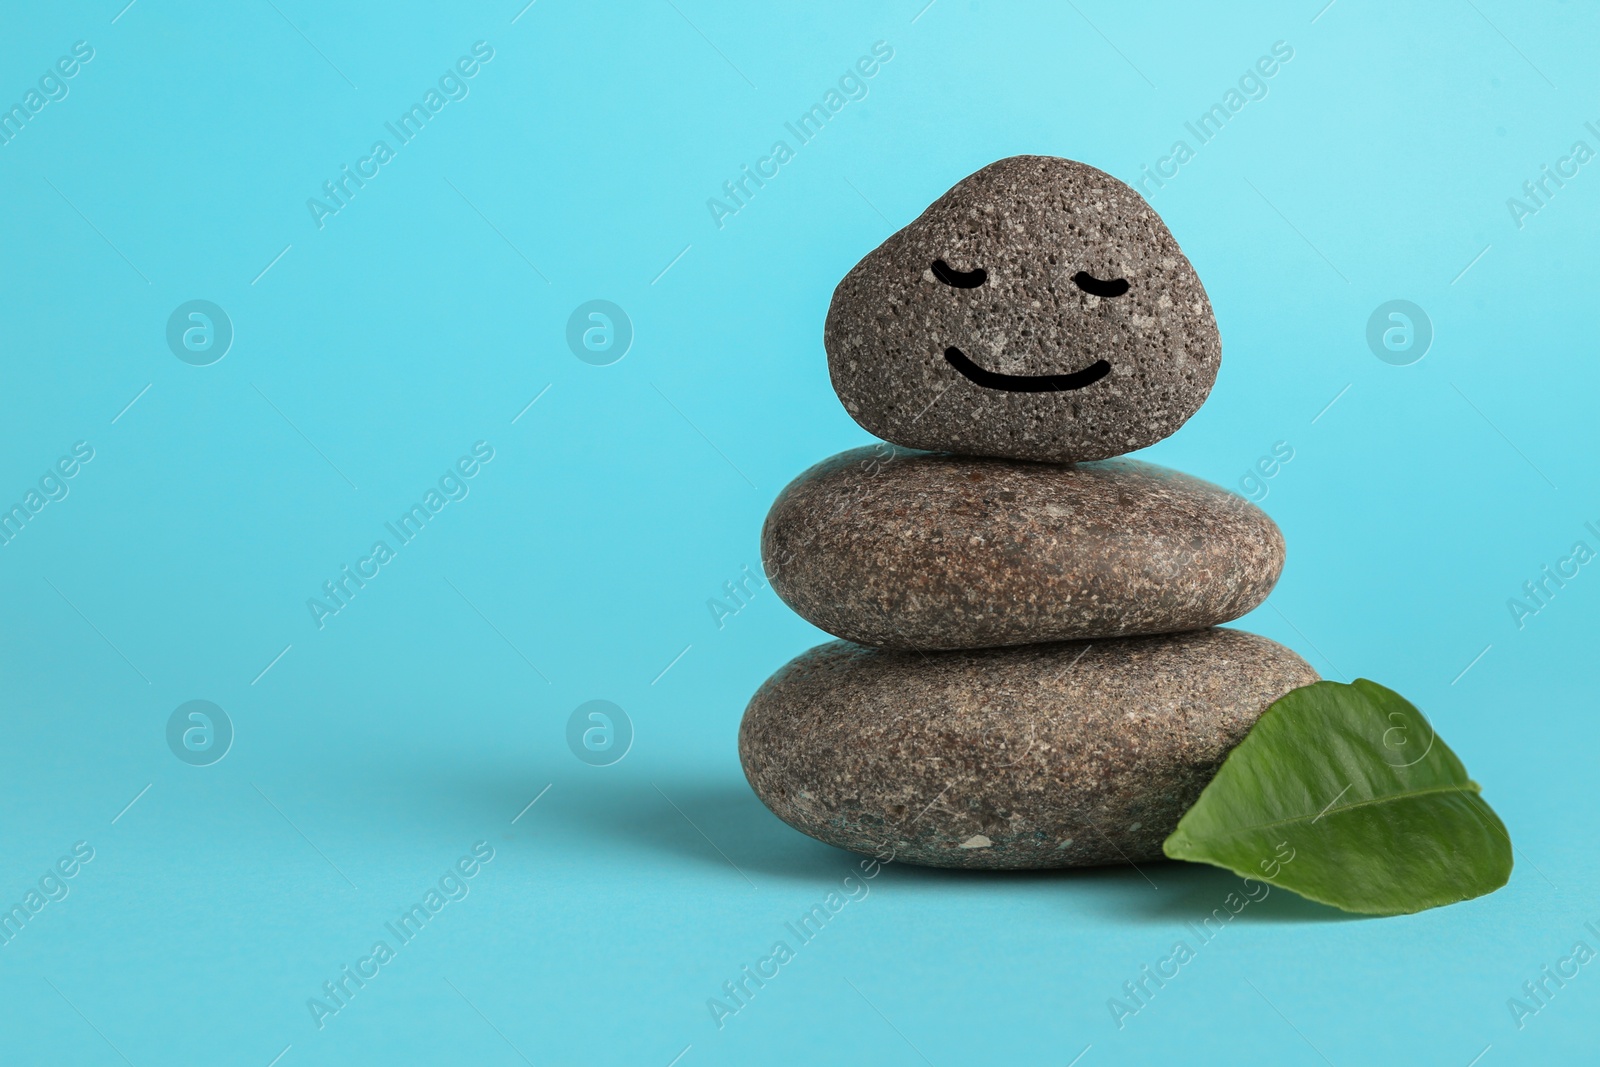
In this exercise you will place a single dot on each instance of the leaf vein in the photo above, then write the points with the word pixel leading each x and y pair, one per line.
pixel 1472 789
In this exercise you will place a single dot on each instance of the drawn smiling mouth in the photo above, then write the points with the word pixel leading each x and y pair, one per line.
pixel 1026 383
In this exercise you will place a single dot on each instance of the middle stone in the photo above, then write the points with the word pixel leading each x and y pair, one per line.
pixel 917 550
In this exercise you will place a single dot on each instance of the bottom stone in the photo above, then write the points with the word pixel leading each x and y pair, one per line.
pixel 1063 755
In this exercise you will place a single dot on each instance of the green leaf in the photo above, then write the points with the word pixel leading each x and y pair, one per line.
pixel 1344 794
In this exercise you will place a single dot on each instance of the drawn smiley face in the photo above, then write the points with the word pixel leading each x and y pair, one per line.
pixel 1026 383
pixel 1038 310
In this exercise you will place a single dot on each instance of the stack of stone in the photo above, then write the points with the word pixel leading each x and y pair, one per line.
pixel 1029 675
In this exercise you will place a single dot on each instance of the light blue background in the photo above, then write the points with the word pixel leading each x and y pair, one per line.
pixel 423 718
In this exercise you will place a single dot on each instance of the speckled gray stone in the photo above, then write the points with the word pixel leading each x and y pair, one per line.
pixel 1032 223
pixel 921 550
pixel 1063 755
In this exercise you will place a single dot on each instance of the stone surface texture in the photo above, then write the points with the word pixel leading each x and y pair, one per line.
pixel 920 550
pixel 1032 223
pixel 1064 755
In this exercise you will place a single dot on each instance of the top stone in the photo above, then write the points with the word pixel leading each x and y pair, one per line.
pixel 1038 310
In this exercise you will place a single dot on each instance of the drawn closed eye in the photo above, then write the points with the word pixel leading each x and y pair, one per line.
pixel 1095 287
pixel 959 279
